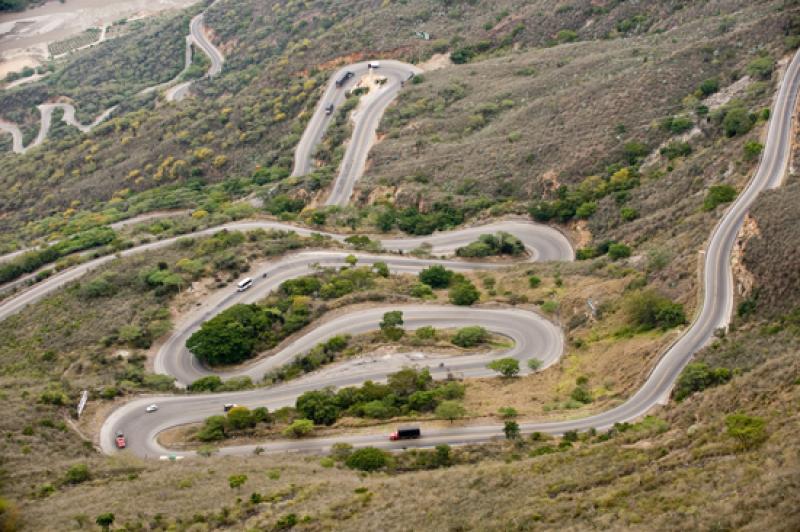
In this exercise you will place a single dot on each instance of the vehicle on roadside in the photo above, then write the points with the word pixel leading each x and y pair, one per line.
pixel 408 433
pixel 244 284
pixel 329 109
pixel 229 406
pixel 119 440
pixel 152 408
pixel 346 76
pixel 374 64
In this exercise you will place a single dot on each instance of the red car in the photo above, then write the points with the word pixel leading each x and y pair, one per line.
pixel 120 440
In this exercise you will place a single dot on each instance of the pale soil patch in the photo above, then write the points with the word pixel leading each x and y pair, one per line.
pixel 436 62
pixel 17 63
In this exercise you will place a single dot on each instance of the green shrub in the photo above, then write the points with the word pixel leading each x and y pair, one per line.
pixel 749 431
pixel 425 333
pixel 436 276
pixel 501 243
pixel 581 394
pixel 463 293
pixel 737 121
pixel 761 67
pixel 535 364
pixel 676 149
pixel 367 459
pixel 618 251
pixel 649 310
pixel 507 367
pixel 566 35
pixel 709 87
pixel 470 336
pixel 717 195
pixel 77 473
pixel 209 383
pixel 421 291
pixel 628 214
pixel 752 149
pixel 677 124
pixel 299 428
pixel 696 377
pixel 534 281
pixel 392 325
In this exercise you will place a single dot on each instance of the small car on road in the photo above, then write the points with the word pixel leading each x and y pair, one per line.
pixel 152 408
pixel 120 441
pixel 229 406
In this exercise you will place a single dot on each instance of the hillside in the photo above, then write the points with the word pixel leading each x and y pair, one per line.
pixel 620 131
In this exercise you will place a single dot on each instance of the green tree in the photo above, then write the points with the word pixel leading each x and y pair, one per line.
pixel 470 336
pixel 105 520
pixel 507 367
pixel 436 276
pixel 231 336
pixel 450 410
pixel 463 293
pixel 749 431
pixel 318 406
pixel 508 412
pixel 367 459
pixel 392 325
pixel 511 430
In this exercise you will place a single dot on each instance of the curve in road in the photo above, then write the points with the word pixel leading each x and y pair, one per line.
pixel 366 121
pixel 544 243
pixel 715 312
pixel 196 36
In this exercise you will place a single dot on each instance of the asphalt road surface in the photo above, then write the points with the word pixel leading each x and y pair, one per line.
pixel 142 429
pixel 366 121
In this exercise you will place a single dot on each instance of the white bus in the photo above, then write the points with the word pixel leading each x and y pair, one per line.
pixel 244 284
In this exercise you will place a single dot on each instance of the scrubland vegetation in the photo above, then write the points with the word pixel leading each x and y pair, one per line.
pixel 629 125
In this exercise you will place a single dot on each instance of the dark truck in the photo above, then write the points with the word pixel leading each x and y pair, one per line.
pixel 341 81
pixel 410 433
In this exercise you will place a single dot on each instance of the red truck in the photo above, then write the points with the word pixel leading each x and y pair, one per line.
pixel 410 433
pixel 120 440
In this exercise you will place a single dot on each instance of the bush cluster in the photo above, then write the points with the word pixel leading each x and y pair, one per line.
pixel 33 260
pixel 501 243
pixel 409 390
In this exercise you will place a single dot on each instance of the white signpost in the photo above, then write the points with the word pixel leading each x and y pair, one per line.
pixel 82 402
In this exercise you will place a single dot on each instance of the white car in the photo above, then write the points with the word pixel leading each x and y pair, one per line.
pixel 374 64
pixel 152 408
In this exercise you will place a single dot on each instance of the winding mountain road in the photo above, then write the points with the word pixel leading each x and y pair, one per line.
pixel 366 119
pixel 717 302
pixel 197 36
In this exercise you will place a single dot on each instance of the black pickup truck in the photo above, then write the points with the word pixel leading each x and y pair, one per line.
pixel 410 433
